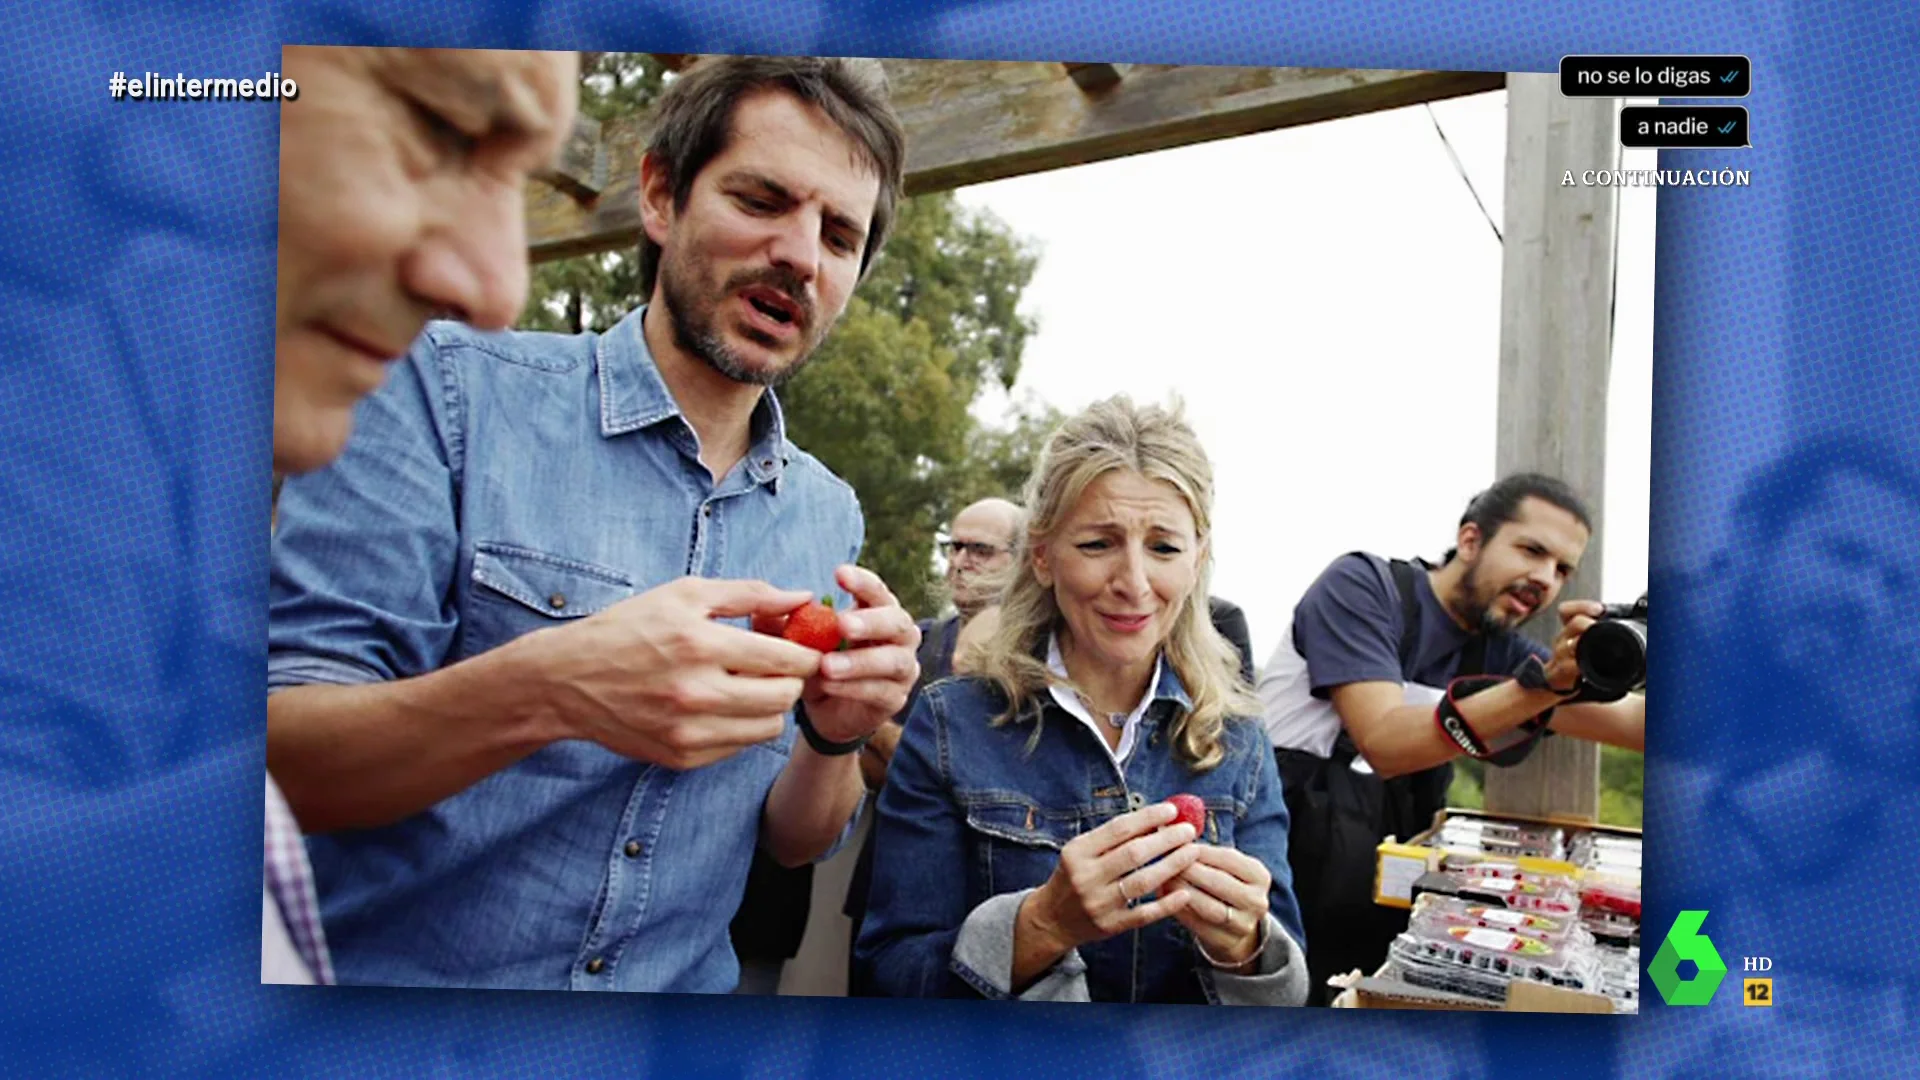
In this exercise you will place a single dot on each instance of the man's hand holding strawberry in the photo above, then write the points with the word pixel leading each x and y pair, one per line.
pixel 863 680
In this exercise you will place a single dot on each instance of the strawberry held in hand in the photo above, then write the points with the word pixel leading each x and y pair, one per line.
pixel 1192 811
pixel 814 625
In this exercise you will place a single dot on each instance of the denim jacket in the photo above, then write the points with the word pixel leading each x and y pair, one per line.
pixel 971 820
pixel 499 484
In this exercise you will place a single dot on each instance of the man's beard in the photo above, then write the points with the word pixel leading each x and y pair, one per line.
pixel 1484 616
pixel 1478 613
pixel 695 333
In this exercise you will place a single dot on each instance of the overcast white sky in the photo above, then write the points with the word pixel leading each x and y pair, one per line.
pixel 1326 299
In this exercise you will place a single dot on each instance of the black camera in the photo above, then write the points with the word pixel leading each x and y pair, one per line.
pixel 1613 652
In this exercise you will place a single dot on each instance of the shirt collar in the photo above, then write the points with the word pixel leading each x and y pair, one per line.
pixel 1164 685
pixel 634 396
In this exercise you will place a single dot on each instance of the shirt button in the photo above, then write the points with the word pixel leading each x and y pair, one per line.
pixel 595 966
pixel 557 601
pixel 1135 800
pixel 632 849
pixel 706 511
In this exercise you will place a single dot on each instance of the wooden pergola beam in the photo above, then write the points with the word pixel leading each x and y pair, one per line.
pixel 972 122
pixel 1094 78
pixel 581 169
pixel 675 61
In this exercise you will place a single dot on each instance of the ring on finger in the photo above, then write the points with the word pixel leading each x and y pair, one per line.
pixel 1126 894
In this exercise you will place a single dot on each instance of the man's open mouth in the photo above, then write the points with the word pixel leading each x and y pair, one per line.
pixel 773 304
pixel 1528 599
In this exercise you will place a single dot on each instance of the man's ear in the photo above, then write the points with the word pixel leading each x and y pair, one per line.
pixel 656 199
pixel 1467 541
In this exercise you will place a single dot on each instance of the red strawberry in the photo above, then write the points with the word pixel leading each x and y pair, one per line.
pixel 1192 811
pixel 814 625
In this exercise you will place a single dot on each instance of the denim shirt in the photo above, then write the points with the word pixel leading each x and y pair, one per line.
pixel 971 816
pixel 498 484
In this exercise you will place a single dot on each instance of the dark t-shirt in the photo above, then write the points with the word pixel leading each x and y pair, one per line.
pixel 1347 629
pixel 1349 623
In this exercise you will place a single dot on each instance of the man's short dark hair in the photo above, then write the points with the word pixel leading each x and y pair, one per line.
pixel 1779 493
pixel 694 120
pixel 1500 504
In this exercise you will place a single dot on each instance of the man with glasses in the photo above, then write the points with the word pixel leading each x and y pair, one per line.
pixel 770 926
pixel 978 549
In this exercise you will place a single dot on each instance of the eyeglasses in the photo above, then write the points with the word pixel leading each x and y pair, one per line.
pixel 983 552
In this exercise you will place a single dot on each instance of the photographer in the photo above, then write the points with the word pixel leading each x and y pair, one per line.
pixel 1372 693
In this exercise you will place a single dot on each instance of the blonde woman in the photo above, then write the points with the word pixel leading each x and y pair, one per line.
pixel 1024 847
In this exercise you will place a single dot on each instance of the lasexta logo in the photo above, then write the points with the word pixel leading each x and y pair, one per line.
pixel 1686 942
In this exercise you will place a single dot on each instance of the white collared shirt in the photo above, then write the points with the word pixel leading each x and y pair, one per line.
pixel 1071 702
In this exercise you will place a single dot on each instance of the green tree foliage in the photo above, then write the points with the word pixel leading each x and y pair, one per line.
pixel 595 291
pixel 887 401
pixel 1468 790
pixel 999 460
pixel 1622 786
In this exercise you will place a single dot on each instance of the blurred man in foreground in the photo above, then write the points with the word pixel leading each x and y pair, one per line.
pixel 400 175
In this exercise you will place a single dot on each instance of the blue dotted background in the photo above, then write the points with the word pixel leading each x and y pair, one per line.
pixel 136 278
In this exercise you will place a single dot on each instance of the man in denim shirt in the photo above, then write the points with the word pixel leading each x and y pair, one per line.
pixel 504 687
pixel 364 262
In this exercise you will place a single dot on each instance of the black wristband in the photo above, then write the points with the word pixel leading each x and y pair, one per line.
pixel 1532 675
pixel 823 746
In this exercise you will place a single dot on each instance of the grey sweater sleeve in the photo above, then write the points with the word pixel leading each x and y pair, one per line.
pixel 983 956
pixel 1280 978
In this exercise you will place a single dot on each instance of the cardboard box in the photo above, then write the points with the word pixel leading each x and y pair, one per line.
pixel 1378 991
pixel 1398 865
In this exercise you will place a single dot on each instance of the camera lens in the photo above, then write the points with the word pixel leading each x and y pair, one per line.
pixel 1613 655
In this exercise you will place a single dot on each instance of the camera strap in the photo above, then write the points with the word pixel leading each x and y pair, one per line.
pixel 1453 725
pixel 1508 749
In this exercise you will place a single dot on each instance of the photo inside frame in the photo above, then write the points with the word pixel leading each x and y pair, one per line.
pixel 1367 295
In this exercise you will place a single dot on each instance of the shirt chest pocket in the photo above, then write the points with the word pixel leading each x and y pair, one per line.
pixel 1222 813
pixel 517 590
pixel 1017 844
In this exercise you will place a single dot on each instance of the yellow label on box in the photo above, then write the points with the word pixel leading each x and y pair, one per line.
pixel 1757 992
pixel 1393 880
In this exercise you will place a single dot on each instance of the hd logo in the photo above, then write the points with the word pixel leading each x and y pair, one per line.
pixel 1686 942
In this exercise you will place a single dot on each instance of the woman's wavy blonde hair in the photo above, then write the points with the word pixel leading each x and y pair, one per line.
pixel 1156 443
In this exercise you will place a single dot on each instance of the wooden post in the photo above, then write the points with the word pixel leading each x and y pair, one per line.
pixel 1556 300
